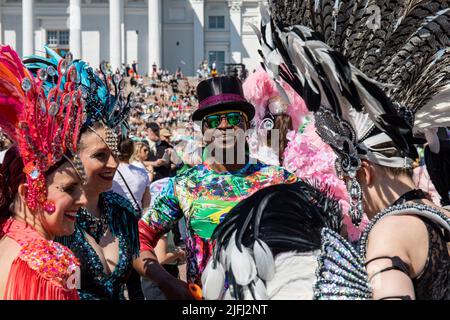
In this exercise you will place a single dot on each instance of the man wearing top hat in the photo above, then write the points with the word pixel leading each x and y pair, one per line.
pixel 205 193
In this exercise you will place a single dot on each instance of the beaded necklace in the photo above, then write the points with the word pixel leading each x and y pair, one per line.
pixel 111 284
pixel 96 227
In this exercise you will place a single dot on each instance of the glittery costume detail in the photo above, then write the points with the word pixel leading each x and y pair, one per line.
pixel 95 283
pixel 45 127
pixel 434 281
pixel 43 269
pixel 340 273
pixel 101 106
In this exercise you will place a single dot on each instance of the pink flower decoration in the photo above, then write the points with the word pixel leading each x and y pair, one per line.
pixel 259 88
pixel 309 158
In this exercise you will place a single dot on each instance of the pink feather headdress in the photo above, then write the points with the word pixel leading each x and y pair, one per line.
pixel 311 159
pixel 44 128
pixel 259 88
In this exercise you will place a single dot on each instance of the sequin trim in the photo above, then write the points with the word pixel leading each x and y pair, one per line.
pixel 50 259
pixel 397 210
pixel 340 274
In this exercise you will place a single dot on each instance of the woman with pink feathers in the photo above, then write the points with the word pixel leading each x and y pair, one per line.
pixel 299 149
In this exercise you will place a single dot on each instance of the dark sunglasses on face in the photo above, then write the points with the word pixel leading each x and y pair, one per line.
pixel 233 119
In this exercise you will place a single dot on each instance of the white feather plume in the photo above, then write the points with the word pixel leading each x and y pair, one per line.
pixel 264 260
pixel 242 265
pixel 213 281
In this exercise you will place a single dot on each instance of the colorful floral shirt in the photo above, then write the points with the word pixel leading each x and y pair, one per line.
pixel 204 197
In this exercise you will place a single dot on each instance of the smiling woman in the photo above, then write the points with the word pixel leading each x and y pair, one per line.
pixel 41 180
pixel 105 238
pixel 98 159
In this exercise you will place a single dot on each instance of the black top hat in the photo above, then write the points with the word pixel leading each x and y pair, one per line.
pixel 221 94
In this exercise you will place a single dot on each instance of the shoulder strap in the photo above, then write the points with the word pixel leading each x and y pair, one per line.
pixel 138 207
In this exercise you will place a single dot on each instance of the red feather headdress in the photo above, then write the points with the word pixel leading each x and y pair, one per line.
pixel 44 128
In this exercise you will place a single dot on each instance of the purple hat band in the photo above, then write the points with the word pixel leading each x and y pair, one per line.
pixel 224 97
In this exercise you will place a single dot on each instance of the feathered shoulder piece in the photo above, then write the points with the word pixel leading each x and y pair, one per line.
pixel 45 127
pixel 275 220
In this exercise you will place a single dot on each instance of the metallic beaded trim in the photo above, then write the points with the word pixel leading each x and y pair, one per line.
pixel 398 210
pixel 111 140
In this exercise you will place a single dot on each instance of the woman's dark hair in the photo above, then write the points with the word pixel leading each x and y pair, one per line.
pixel 12 175
pixel 126 149
pixel 438 167
pixel 86 129
pixel 284 124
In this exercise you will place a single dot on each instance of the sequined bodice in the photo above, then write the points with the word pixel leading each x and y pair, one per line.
pixel 95 282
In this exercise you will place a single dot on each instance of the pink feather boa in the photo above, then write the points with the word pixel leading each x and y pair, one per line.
pixel 311 159
pixel 259 88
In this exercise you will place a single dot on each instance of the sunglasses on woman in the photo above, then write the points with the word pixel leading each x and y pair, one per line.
pixel 233 119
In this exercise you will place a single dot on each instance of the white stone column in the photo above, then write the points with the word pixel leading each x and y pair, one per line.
pixel 27 27
pixel 123 37
pixel 235 30
pixel 199 26
pixel 115 49
pixel 75 28
pixel 154 34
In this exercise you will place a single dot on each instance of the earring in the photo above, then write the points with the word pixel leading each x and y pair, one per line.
pixel 49 206
pixel 355 193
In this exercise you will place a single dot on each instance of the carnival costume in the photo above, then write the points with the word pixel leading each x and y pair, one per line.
pixel 117 213
pixel 272 112
pixel 202 195
pixel 376 76
pixel 313 160
pixel 305 154
pixel 45 130
pixel 268 245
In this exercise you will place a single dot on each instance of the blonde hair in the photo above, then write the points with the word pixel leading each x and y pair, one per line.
pixel 137 149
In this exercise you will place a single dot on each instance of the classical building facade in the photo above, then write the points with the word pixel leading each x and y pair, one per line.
pixel 170 33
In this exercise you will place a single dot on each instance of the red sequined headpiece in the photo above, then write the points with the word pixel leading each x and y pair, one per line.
pixel 44 128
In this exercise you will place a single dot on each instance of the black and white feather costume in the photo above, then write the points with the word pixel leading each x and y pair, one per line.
pixel 380 65
pixel 376 74
pixel 268 247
